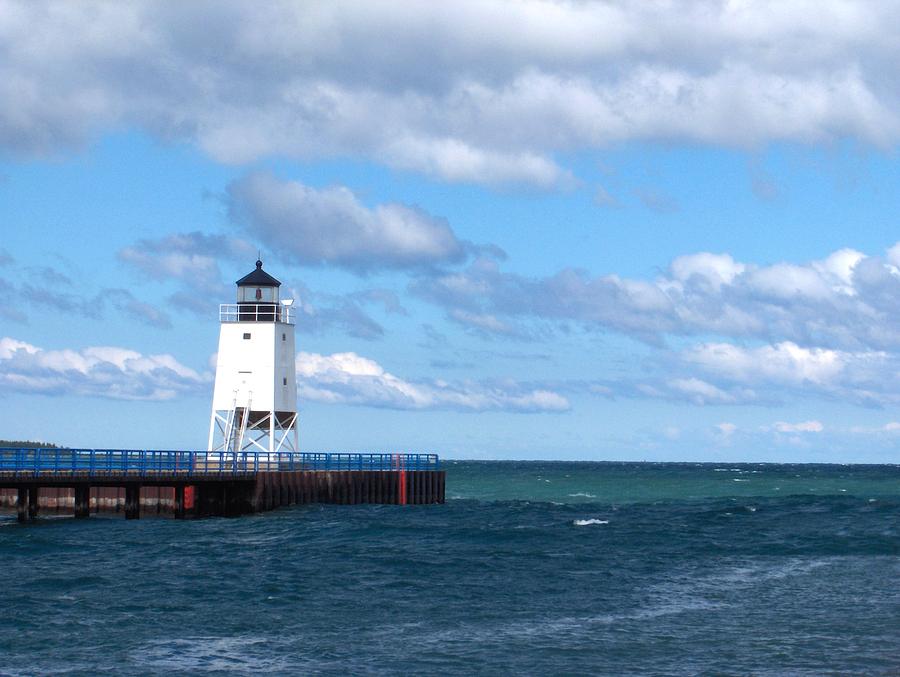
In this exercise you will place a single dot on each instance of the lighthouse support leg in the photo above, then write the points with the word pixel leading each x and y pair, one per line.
pixel 212 432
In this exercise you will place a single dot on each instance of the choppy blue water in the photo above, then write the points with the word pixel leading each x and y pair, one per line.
pixel 530 568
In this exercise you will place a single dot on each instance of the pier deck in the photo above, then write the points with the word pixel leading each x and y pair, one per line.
pixel 204 483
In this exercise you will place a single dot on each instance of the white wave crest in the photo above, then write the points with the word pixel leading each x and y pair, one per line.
pixel 585 523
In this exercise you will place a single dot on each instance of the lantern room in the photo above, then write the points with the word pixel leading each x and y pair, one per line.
pixel 258 287
pixel 257 297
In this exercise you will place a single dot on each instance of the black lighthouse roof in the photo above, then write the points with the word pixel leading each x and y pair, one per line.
pixel 258 278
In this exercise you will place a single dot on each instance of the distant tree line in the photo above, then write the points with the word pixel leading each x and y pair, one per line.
pixel 27 444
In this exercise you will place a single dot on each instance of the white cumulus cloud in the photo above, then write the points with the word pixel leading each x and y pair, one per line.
pixel 425 86
pixel 353 379
pixel 330 225
pixel 100 371
pixel 848 300
pixel 801 427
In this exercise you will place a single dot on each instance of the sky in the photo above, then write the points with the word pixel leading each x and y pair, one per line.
pixel 513 230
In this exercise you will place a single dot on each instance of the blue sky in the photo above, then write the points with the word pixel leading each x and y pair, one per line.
pixel 599 230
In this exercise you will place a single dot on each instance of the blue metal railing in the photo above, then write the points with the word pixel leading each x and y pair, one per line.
pixel 146 463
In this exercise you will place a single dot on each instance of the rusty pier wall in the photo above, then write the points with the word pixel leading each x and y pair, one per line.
pixel 215 496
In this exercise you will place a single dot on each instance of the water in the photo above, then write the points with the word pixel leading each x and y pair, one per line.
pixel 530 568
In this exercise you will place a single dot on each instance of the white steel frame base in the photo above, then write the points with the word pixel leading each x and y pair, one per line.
pixel 229 431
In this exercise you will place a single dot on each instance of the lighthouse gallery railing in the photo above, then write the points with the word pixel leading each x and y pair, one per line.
pixel 150 463
pixel 256 312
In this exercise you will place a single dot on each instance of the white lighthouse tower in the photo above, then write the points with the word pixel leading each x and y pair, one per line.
pixel 255 399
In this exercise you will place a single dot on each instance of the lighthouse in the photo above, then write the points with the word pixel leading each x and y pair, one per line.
pixel 255 398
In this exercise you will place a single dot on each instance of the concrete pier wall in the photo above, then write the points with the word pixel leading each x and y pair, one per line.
pixel 220 496
pixel 61 500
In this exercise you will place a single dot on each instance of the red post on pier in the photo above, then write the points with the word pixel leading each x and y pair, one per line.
pixel 401 495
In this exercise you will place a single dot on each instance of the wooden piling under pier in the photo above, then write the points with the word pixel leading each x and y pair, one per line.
pixel 205 496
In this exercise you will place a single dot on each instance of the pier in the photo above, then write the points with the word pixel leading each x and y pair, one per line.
pixel 207 483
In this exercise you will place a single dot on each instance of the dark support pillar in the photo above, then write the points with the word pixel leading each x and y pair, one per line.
pixel 227 500
pixel 32 502
pixel 82 500
pixel 178 508
pixel 238 498
pixel 201 502
pixel 22 504
pixel 132 501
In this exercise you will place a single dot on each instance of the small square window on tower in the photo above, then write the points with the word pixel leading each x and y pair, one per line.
pixel 246 336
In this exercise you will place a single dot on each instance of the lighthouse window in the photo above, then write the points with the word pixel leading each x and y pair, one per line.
pixel 284 381
pixel 246 336
pixel 284 337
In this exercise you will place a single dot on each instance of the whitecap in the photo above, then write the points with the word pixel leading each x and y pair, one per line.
pixel 585 523
pixel 736 479
pixel 583 493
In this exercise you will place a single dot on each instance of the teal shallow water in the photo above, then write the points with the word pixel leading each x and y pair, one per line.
pixel 534 568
